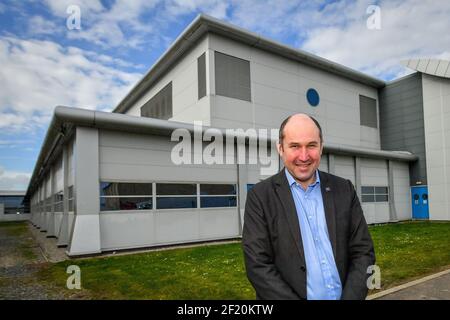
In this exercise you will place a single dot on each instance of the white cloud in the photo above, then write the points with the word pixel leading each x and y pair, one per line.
pixel 12 180
pixel 338 30
pixel 38 25
pixel 121 25
pixel 38 75
pixel 408 29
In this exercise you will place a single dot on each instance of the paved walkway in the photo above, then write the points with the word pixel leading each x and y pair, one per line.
pixel 434 287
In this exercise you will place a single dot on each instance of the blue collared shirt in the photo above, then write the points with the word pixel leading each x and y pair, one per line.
pixel 322 277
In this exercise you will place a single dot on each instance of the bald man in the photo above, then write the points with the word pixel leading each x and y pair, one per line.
pixel 305 236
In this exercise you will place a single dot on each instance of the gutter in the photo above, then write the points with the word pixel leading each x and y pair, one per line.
pixel 65 116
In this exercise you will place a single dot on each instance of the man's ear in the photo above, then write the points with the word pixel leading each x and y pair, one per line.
pixel 280 149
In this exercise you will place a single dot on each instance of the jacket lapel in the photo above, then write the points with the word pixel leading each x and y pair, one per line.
pixel 328 206
pixel 284 194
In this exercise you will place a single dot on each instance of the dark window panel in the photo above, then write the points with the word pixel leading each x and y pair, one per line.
pixel 211 202
pixel 217 189
pixel 381 190
pixel 125 189
pixel 381 198
pixel 232 76
pixel 368 198
pixel 367 190
pixel 160 106
pixel 201 71
pixel 176 202
pixel 124 203
pixel 172 189
pixel 368 111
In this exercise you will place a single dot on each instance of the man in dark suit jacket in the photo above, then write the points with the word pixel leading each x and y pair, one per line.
pixel 276 227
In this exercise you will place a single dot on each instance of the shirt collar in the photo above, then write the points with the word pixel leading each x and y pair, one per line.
pixel 291 179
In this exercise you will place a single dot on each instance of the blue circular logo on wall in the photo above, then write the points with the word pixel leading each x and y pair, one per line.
pixel 313 97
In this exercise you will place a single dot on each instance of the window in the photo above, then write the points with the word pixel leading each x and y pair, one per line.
pixel 71 199
pixel 160 106
pixel 368 112
pixel 217 195
pixel 48 204
pixel 125 196
pixel 58 202
pixel 176 195
pixel 201 72
pixel 12 204
pixel 374 194
pixel 232 76
pixel 249 186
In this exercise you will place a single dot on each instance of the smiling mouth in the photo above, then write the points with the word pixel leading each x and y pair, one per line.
pixel 303 165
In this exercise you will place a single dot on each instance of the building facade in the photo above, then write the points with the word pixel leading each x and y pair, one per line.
pixel 109 181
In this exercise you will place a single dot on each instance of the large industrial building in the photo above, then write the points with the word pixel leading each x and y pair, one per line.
pixel 108 181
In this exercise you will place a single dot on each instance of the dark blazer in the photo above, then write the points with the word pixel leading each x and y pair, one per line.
pixel 272 242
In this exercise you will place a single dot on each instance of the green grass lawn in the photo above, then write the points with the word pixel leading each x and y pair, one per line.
pixel 404 251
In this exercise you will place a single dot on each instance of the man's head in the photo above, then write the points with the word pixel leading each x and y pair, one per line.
pixel 300 146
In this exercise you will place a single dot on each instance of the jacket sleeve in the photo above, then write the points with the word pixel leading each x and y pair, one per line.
pixel 361 253
pixel 259 255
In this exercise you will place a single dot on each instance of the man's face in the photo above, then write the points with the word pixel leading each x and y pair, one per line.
pixel 301 149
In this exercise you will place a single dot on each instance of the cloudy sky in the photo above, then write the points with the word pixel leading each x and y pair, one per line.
pixel 46 60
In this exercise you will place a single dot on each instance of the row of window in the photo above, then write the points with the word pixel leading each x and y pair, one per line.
pixel 56 201
pixel 142 196
pixel 374 194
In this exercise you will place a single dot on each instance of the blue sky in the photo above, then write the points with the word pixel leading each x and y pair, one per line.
pixel 45 64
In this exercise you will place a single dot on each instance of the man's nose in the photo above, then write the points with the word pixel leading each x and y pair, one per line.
pixel 303 154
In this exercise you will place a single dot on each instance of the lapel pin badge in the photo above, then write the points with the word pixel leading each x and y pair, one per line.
pixel 327 189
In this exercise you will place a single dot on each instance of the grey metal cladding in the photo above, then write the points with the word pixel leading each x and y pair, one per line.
pixel 160 105
pixel 201 72
pixel 232 76
pixel 402 124
pixel 368 111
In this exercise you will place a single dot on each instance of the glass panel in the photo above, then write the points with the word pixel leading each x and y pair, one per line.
pixel 124 203
pixel 249 186
pixel 125 189
pixel 381 198
pixel 381 190
pixel 217 189
pixel 11 201
pixel 367 190
pixel 416 197
pixel 201 71
pixel 176 202
pixel 211 202
pixel 171 189
pixel 368 198
pixel 424 196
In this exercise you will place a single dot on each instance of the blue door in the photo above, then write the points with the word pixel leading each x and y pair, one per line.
pixel 419 197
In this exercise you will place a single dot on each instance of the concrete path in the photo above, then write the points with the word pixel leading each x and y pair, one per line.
pixel 433 287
